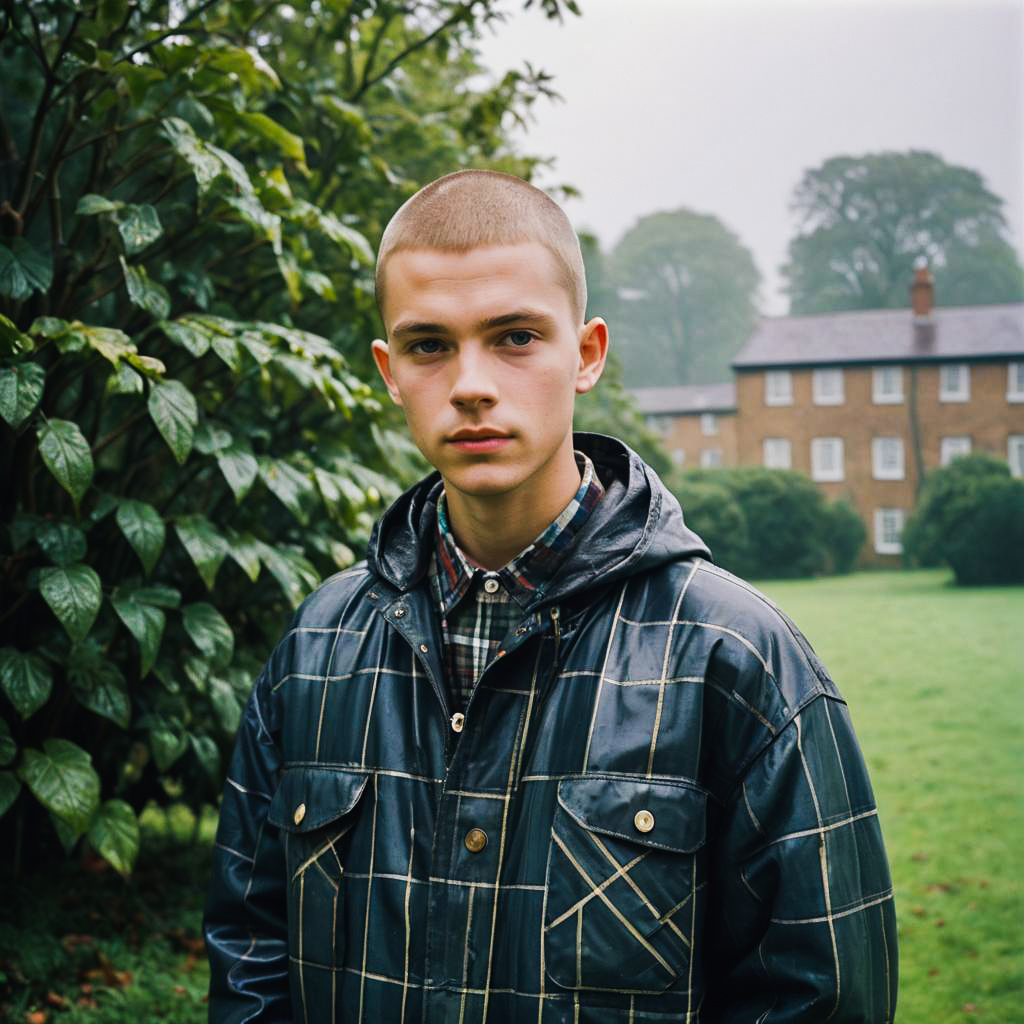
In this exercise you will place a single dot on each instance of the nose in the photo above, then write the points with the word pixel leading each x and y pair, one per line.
pixel 475 382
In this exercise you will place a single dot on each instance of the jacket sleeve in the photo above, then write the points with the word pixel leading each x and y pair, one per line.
pixel 245 923
pixel 802 928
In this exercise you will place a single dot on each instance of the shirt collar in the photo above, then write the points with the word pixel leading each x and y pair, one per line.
pixel 534 567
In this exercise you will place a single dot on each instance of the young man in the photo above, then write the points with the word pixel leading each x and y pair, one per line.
pixel 538 758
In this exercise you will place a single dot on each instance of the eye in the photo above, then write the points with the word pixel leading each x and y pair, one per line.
pixel 519 339
pixel 426 347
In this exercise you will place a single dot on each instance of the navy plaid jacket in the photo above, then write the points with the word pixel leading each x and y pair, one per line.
pixel 655 809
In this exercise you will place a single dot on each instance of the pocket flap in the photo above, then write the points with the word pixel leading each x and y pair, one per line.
pixel 666 815
pixel 309 798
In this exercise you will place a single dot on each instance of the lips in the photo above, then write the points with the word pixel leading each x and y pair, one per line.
pixel 481 440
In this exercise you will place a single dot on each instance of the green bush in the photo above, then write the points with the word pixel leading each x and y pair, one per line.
pixel 187 440
pixel 970 515
pixel 767 523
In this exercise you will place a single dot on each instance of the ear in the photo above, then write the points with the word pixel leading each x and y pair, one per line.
pixel 382 357
pixel 593 352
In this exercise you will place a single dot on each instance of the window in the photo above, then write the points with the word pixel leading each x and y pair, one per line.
pixel 888 531
pixel 711 458
pixel 954 382
pixel 1015 454
pixel 827 387
pixel 827 459
pixel 658 424
pixel 951 447
pixel 708 424
pixel 778 387
pixel 1015 382
pixel 778 453
pixel 887 385
pixel 679 456
pixel 887 458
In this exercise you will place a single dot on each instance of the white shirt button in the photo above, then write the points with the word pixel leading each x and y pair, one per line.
pixel 491 585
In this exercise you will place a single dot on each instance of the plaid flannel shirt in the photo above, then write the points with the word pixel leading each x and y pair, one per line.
pixel 478 607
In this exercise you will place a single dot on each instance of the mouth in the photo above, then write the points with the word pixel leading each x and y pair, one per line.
pixel 484 439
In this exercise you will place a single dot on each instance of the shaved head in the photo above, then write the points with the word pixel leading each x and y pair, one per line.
pixel 472 209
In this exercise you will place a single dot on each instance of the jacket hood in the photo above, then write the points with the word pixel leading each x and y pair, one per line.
pixel 637 526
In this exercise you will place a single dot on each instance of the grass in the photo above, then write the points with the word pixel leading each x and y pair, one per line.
pixel 934 676
pixel 935 680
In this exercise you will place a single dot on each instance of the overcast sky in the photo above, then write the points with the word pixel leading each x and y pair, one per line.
pixel 721 105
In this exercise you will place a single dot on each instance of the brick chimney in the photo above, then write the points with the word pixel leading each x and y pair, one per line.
pixel 922 293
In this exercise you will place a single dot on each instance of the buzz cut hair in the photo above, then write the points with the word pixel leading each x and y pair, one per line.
pixel 469 209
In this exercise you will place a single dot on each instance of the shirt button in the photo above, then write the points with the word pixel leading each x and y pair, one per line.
pixel 458 720
pixel 476 840
pixel 644 821
pixel 300 813
pixel 491 586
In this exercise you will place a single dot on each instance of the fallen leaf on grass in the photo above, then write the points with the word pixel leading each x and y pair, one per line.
pixel 970 1008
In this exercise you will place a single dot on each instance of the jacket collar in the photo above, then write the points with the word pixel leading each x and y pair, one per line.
pixel 637 526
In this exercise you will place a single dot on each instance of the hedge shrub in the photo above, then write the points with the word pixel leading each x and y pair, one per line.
pixel 970 515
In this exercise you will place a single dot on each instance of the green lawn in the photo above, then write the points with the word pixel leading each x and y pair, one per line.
pixel 934 676
pixel 935 680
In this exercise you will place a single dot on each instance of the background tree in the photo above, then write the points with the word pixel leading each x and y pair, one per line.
pixel 190 195
pixel 687 286
pixel 863 223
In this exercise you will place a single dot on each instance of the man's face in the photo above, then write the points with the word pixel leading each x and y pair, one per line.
pixel 485 357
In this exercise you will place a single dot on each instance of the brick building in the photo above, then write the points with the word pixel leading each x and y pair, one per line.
pixel 697 424
pixel 866 403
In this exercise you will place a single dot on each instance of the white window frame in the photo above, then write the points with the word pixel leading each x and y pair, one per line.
pixel 777 453
pixel 963 392
pixel 882 467
pixel 1015 454
pixel 827 474
pixel 879 396
pixel 821 391
pixel 884 517
pixel 711 458
pixel 709 424
pixel 951 448
pixel 778 387
pixel 1015 382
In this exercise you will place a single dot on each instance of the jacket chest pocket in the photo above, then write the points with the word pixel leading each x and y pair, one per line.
pixel 315 809
pixel 622 883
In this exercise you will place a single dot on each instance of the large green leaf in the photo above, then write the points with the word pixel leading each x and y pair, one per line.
pixel 291 486
pixel 139 227
pixel 21 387
pixel 25 679
pixel 97 684
pixel 159 596
pixel 207 754
pixel 245 549
pixel 187 333
pixel 12 340
pixel 63 543
pixel 143 529
pixel 73 593
pixel 295 574
pixel 23 269
pixel 145 293
pixel 111 343
pixel 144 621
pixel 10 786
pixel 8 748
pixel 206 547
pixel 67 456
pixel 289 144
pixel 210 632
pixel 167 741
pixel 114 835
pixel 225 705
pixel 239 466
pixel 175 413
pixel 63 780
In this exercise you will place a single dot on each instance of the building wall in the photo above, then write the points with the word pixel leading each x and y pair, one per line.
pixel 988 418
pixel 685 440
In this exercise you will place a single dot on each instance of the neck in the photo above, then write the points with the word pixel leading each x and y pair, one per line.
pixel 492 529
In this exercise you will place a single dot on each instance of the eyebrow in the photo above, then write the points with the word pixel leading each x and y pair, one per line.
pixel 519 316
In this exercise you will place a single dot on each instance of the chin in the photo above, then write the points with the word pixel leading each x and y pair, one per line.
pixel 483 481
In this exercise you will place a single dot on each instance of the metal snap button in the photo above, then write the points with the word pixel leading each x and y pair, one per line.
pixel 424 648
pixel 491 586
pixel 476 840
pixel 458 720
pixel 399 612
pixel 644 821
pixel 300 813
